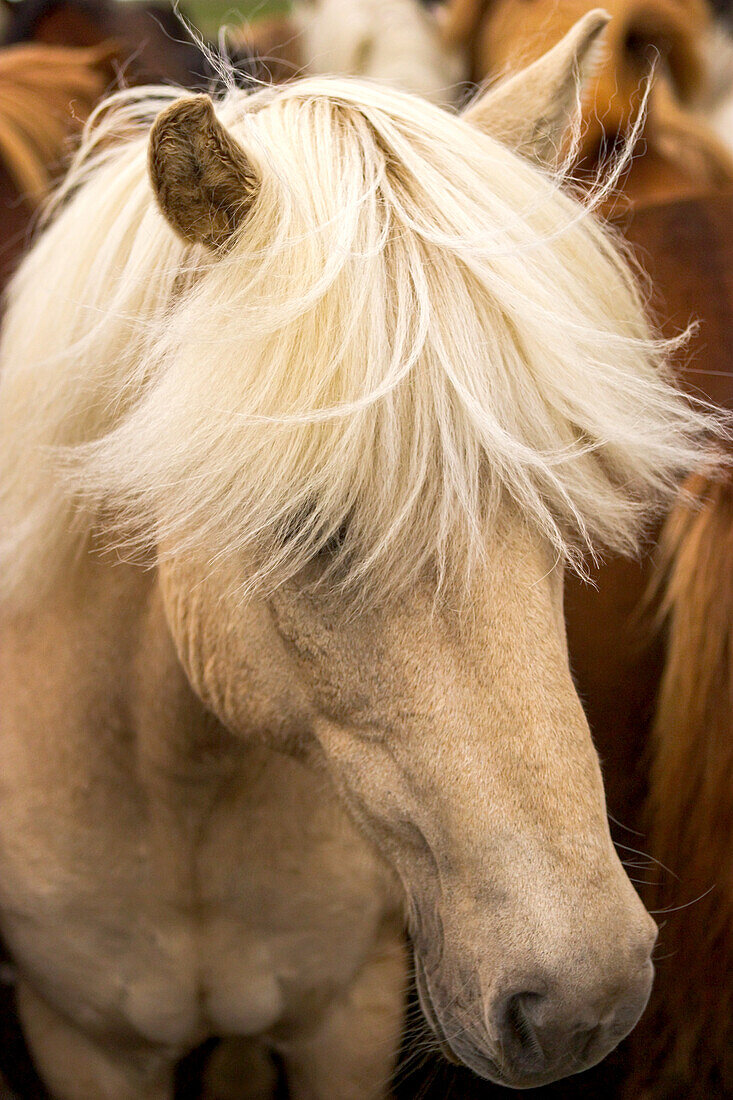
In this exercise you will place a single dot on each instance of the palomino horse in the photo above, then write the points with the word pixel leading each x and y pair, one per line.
pixel 344 381
pixel 659 703
pixel 395 41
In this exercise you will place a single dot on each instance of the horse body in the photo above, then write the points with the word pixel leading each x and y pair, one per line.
pixel 220 871
pixel 332 415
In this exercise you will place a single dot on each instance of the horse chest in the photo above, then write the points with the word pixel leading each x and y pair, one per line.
pixel 291 895
pixel 227 909
pixel 157 877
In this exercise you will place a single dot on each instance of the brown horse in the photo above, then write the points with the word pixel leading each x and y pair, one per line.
pixel 682 155
pixel 46 92
pixel 658 690
pixel 152 44
pixel 658 693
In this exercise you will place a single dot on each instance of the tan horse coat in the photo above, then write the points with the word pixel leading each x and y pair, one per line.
pixel 183 769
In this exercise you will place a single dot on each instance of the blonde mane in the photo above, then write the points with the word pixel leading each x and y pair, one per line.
pixel 413 329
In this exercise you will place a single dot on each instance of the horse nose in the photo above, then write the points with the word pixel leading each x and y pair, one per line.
pixel 546 1031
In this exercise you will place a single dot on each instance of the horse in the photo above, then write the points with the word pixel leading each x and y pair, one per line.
pixel 683 156
pixel 395 41
pixel 152 44
pixel 306 398
pixel 719 96
pixel 655 685
pixel 46 93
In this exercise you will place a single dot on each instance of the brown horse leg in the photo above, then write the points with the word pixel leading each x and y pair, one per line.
pixel 74 1066
pixel 352 1056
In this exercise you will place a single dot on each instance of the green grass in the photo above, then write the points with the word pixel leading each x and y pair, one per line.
pixel 210 14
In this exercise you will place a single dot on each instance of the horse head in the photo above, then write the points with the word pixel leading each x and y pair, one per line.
pixel 383 378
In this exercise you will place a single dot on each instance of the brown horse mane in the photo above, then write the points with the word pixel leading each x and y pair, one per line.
pixel 689 812
pixel 46 93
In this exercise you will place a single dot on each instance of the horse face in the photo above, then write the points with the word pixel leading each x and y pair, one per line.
pixel 457 741
pixel 460 747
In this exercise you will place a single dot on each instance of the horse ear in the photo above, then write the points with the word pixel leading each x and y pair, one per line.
pixel 532 111
pixel 202 179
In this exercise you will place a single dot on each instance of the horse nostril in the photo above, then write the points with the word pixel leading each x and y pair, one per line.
pixel 548 1032
pixel 535 1039
pixel 519 1029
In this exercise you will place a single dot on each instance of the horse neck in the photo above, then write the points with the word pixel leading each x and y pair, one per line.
pixel 687 251
pixel 94 662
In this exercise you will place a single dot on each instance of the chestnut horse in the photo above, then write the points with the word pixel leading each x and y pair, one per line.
pixel 46 92
pixel 152 44
pixel 682 155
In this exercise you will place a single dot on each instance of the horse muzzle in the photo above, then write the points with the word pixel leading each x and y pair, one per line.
pixel 533 1036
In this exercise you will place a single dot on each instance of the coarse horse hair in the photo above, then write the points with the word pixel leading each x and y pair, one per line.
pixel 46 92
pixel 413 328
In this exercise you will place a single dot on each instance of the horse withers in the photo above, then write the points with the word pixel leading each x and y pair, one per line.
pixel 306 400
